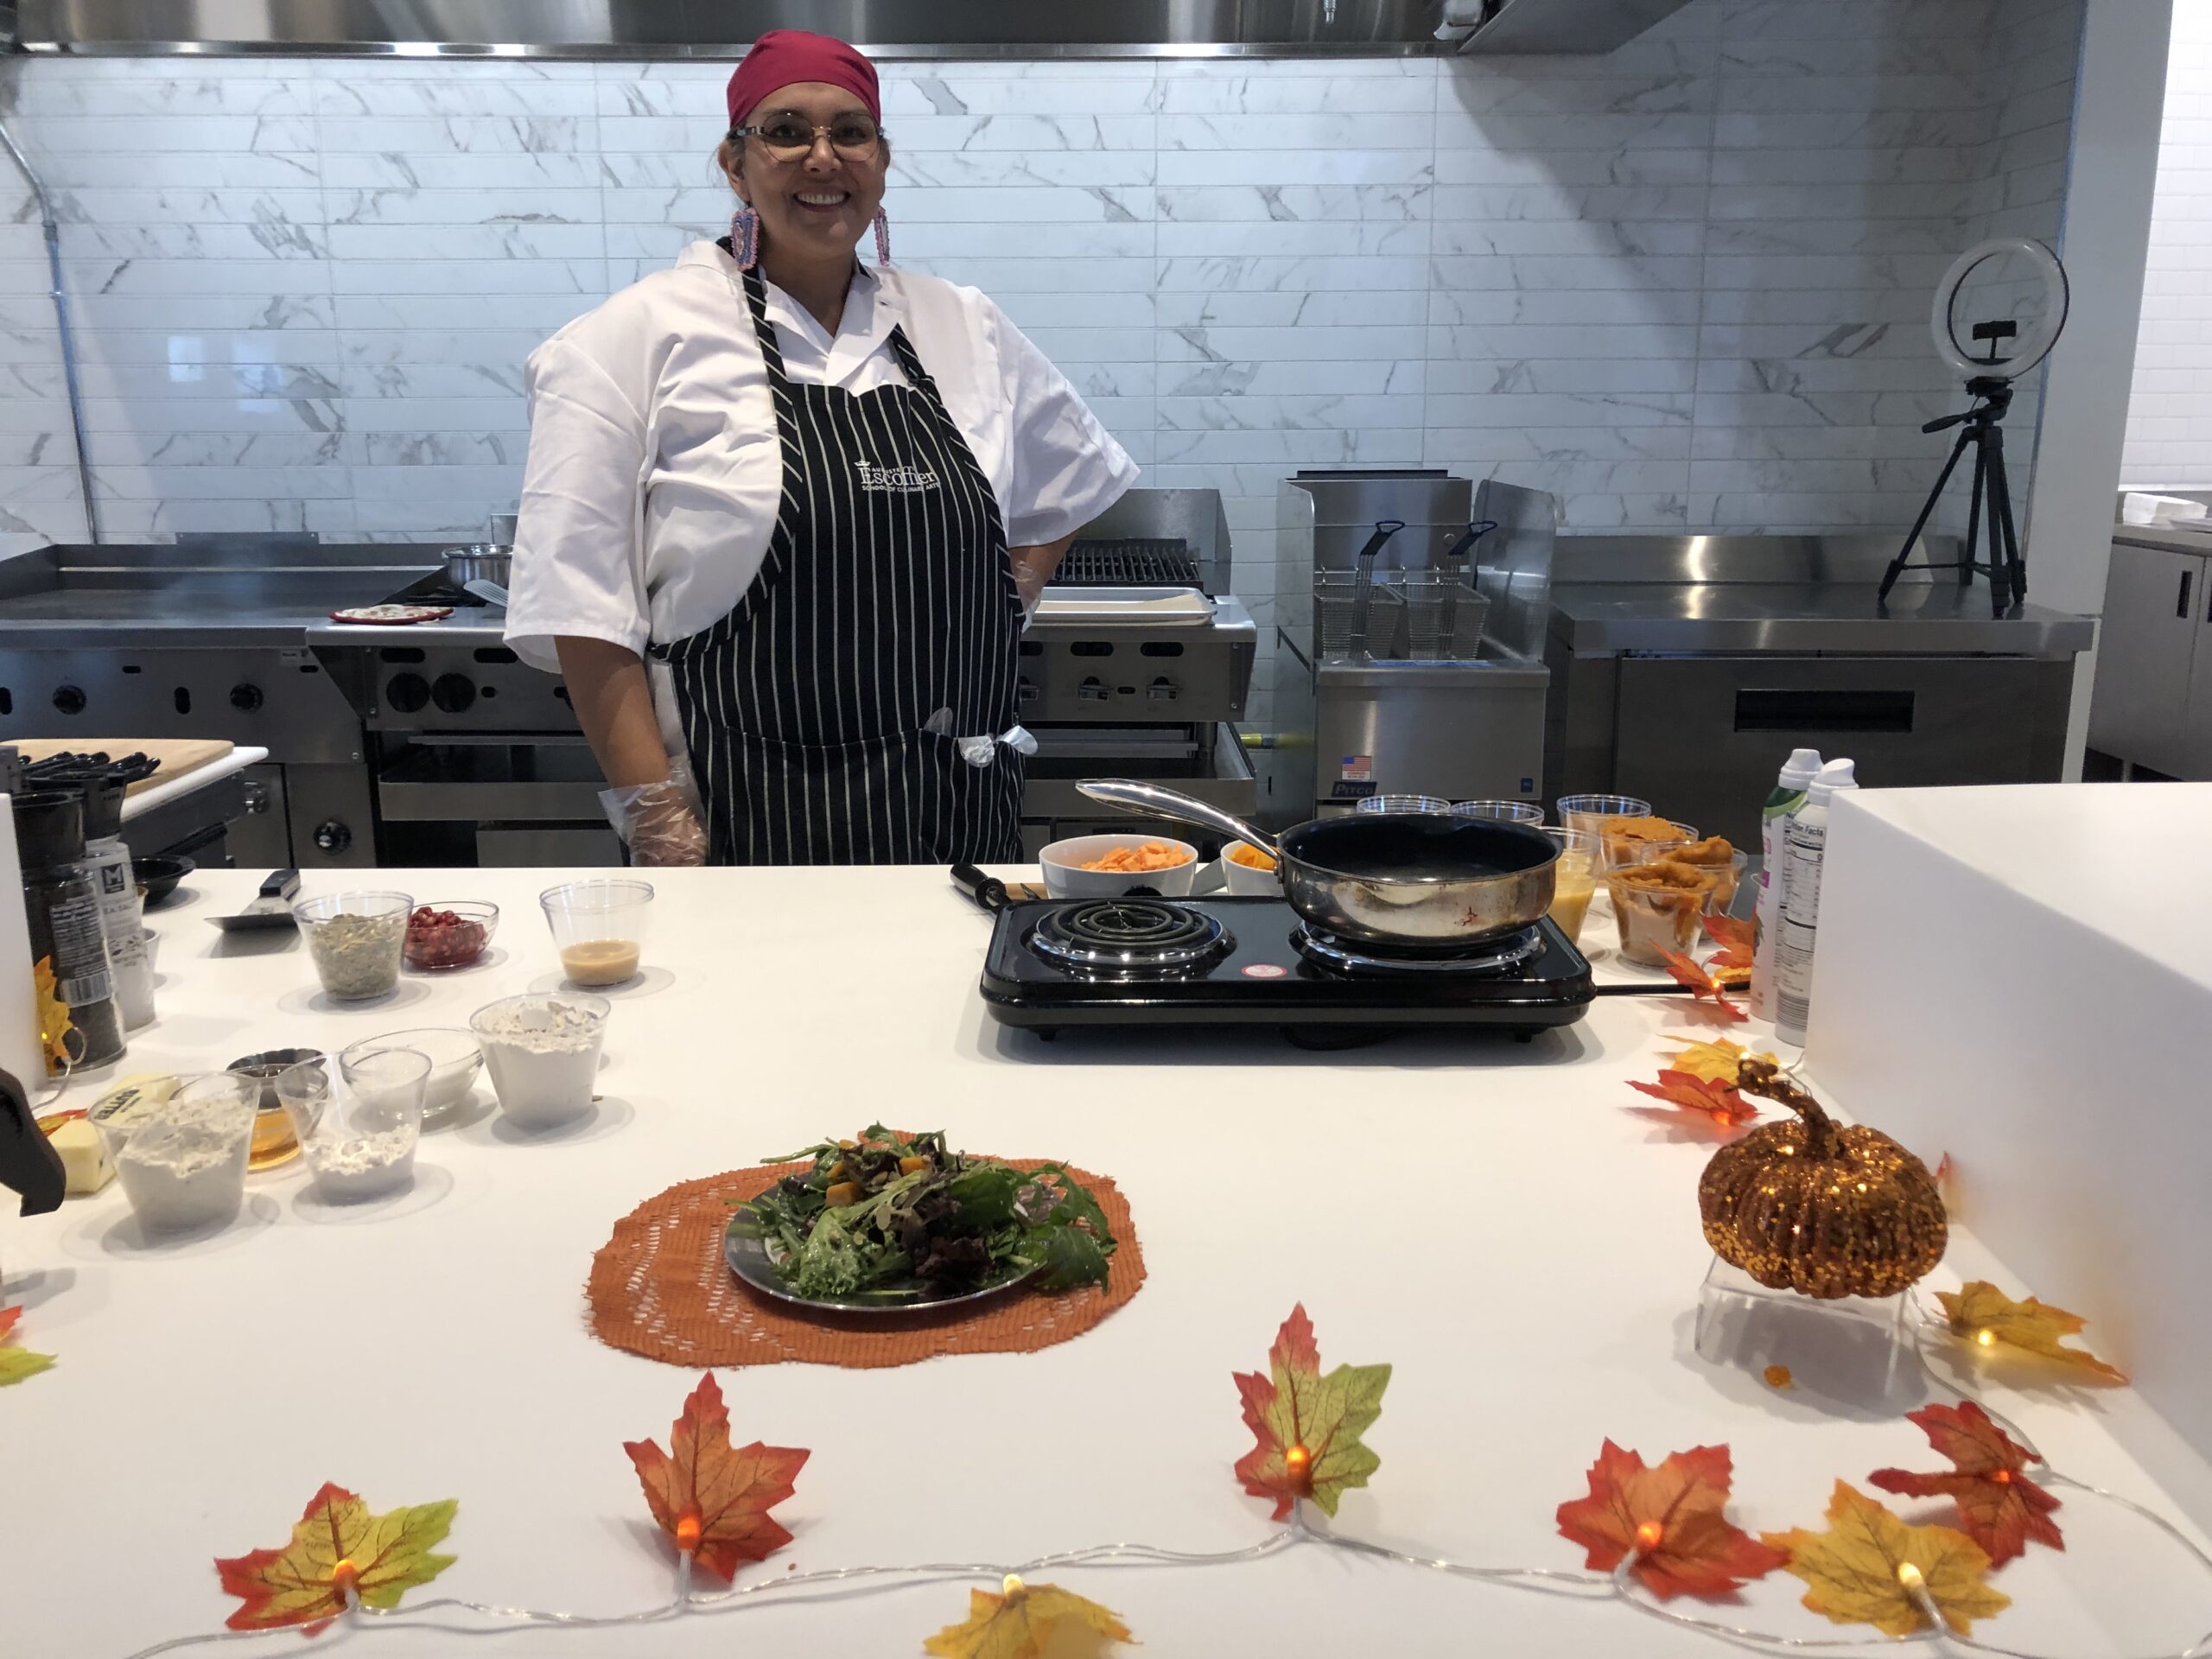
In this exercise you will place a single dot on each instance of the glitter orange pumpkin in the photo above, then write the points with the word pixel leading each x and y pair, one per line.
pixel 1824 1209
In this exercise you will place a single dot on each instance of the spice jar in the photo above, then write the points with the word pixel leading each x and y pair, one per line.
pixel 68 948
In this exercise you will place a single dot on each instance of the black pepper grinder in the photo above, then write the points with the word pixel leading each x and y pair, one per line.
pixel 63 906
pixel 28 1163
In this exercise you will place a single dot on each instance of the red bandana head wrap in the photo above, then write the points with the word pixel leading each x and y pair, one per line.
pixel 783 57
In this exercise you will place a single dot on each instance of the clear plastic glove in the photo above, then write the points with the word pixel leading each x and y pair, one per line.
pixel 656 821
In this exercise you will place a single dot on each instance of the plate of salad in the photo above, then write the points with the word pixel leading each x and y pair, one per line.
pixel 890 1223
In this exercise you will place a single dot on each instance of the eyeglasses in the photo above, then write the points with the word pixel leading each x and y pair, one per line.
pixel 788 138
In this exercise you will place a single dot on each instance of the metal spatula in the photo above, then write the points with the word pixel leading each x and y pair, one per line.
pixel 270 907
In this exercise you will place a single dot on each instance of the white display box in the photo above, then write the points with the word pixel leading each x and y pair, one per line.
pixel 2022 977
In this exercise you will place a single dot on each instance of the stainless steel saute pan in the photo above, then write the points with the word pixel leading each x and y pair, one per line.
pixel 1416 879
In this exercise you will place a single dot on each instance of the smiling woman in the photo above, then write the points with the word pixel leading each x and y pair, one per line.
pixel 784 514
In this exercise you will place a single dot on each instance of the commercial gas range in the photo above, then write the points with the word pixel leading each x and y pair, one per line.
pixel 435 744
pixel 206 637
pixel 1149 961
pixel 1138 665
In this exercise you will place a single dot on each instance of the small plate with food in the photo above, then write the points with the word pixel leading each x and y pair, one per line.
pixel 1106 867
pixel 893 1224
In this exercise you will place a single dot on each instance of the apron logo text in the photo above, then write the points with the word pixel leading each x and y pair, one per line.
pixel 903 480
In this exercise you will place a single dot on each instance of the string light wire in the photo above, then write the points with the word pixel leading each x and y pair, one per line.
pixel 1619 1586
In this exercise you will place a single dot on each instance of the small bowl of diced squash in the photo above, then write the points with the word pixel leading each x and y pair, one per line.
pixel 1106 867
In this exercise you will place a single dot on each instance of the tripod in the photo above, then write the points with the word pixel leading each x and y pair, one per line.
pixel 1981 429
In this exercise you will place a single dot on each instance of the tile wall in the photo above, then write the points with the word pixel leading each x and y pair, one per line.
pixel 1681 286
pixel 2169 409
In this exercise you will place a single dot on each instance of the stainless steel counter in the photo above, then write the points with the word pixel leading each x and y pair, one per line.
pixel 1685 669
pixel 1924 619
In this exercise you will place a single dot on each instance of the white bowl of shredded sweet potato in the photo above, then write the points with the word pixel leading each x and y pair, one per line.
pixel 1104 866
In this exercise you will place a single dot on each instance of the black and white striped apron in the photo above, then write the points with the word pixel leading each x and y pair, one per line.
pixel 824 714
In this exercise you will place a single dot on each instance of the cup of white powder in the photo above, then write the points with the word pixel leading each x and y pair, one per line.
pixel 182 1160
pixel 543 1053
pixel 358 1120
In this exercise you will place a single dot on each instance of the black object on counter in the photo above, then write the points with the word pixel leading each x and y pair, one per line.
pixel 28 1163
pixel 988 891
pixel 64 909
pixel 157 876
pixel 1061 963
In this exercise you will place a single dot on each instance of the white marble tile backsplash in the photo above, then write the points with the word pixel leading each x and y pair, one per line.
pixel 1682 285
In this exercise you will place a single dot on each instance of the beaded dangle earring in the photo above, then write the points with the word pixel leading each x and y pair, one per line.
pixel 882 238
pixel 745 235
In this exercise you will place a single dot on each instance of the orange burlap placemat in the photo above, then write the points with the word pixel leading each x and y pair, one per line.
pixel 659 1288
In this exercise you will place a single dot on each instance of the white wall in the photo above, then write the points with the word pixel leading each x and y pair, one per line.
pixel 2169 414
pixel 1681 285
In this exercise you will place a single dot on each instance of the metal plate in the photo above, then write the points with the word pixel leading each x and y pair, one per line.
pixel 747 1256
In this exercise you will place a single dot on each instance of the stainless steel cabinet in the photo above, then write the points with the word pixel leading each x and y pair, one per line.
pixel 2153 700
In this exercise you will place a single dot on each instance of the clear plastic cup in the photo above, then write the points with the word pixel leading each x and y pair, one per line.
pixel 1402 803
pixel 357 940
pixel 1574 878
pixel 543 1053
pixel 358 1121
pixel 1624 842
pixel 1590 812
pixel 1657 905
pixel 599 928
pixel 1726 864
pixel 182 1160
pixel 1511 811
pixel 455 1061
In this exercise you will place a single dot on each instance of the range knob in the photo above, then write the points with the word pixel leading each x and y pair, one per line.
pixel 333 836
pixel 245 697
pixel 69 699
pixel 1163 689
pixel 1091 690
pixel 453 693
pixel 407 693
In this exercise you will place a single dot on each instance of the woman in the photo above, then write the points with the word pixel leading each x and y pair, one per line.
pixel 816 499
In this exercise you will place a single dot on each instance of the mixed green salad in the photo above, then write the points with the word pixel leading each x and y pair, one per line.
pixel 886 1214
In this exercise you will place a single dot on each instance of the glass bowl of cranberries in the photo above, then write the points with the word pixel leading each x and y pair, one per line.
pixel 441 936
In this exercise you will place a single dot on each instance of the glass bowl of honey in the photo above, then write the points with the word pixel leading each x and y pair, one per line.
pixel 275 1141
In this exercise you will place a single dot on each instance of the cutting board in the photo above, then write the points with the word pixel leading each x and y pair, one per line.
pixel 178 755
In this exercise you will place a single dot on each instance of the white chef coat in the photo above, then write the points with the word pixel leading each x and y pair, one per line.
pixel 655 470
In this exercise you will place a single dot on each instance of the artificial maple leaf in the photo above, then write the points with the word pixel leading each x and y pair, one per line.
pixel 1720 1103
pixel 1737 939
pixel 1026 1622
pixel 1308 1425
pixel 1999 1507
pixel 1987 1316
pixel 712 1498
pixel 1715 1059
pixel 1703 984
pixel 337 1545
pixel 54 1023
pixel 16 1364
pixel 1669 1519
pixel 1857 1570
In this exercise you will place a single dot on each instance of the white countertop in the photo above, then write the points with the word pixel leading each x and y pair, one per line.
pixel 1488 1217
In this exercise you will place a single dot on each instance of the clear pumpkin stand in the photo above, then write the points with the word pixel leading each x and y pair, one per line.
pixel 1856 1349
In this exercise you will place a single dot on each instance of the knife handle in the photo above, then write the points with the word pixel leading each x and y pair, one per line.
pixel 281 884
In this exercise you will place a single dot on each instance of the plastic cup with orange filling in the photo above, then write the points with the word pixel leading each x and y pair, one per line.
pixel 1624 842
pixel 1657 905
pixel 1715 854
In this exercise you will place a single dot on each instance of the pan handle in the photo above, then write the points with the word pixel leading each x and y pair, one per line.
pixel 1154 802
pixel 989 893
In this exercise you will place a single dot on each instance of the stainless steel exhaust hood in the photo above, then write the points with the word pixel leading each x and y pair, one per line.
pixel 888 29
